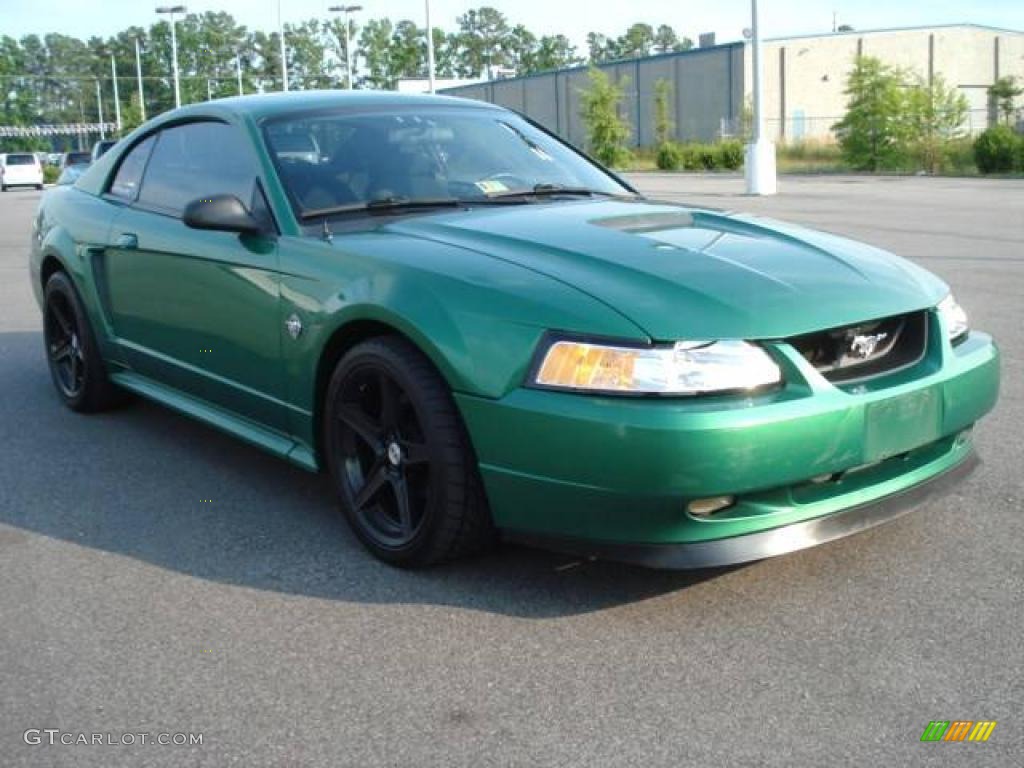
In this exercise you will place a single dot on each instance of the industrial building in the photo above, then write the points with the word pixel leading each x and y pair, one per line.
pixel 804 81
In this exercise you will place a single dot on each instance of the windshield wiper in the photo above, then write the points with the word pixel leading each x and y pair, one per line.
pixel 384 204
pixel 549 190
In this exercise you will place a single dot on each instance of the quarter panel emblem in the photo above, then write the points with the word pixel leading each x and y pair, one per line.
pixel 293 325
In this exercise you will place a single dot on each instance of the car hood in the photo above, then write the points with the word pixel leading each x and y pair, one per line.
pixel 692 273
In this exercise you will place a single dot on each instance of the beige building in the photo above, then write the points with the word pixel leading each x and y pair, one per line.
pixel 805 76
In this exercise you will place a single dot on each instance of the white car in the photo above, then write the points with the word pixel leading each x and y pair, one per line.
pixel 20 169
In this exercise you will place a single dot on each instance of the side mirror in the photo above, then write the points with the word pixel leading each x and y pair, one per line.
pixel 223 213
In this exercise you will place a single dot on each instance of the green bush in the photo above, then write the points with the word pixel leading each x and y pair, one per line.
pixel 959 157
pixel 1020 154
pixel 997 150
pixel 50 174
pixel 669 157
pixel 708 155
pixel 730 154
pixel 691 157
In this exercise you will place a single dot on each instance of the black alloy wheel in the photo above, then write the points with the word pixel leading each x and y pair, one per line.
pixel 76 365
pixel 400 457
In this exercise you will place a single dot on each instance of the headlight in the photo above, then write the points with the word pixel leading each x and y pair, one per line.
pixel 954 317
pixel 685 368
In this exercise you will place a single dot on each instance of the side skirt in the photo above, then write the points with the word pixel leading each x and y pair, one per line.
pixel 249 431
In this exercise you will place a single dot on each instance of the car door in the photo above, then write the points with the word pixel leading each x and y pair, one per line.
pixel 196 310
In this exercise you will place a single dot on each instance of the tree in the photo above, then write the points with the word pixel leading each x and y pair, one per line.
pixel 306 49
pixel 1002 94
pixel 601 48
pixel 872 131
pixel 446 52
pixel 521 45
pixel 607 132
pixel 483 41
pixel 663 124
pixel 637 42
pixel 934 115
pixel 554 52
pixel 335 40
pixel 666 40
pixel 408 51
pixel 375 48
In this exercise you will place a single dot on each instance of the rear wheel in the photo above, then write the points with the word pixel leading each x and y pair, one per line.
pixel 76 365
pixel 400 457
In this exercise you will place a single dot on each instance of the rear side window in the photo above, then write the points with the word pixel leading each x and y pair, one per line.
pixel 197 160
pixel 129 175
pixel 21 160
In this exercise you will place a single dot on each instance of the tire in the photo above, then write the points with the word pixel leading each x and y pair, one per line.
pixel 392 431
pixel 76 366
pixel 3 187
pixel 39 187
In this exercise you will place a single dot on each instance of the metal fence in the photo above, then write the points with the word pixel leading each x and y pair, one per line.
pixel 707 93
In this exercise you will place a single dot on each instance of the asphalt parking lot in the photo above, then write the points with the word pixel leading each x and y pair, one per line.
pixel 127 605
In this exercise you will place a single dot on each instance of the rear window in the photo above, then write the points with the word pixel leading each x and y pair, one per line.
pixel 77 158
pixel 21 160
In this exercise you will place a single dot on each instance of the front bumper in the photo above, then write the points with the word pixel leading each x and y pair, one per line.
pixel 763 544
pixel 613 471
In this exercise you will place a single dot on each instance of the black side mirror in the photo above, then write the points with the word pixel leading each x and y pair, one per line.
pixel 224 213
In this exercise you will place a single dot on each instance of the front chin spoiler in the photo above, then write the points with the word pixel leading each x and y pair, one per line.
pixel 763 544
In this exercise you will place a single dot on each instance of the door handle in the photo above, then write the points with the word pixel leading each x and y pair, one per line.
pixel 127 240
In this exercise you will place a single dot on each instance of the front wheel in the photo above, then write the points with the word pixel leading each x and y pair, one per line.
pixel 400 457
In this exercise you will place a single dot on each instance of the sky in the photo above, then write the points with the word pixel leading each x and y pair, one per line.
pixel 573 18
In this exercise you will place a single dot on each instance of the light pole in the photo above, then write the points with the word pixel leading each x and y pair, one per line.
pixel 284 50
pixel 173 9
pixel 238 69
pixel 347 9
pixel 759 168
pixel 99 110
pixel 138 75
pixel 117 101
pixel 430 50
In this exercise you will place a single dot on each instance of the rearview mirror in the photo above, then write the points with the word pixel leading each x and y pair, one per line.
pixel 223 213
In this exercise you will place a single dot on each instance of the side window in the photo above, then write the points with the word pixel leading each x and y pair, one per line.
pixel 129 175
pixel 197 160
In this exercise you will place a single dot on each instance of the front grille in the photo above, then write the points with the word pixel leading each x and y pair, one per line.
pixel 867 349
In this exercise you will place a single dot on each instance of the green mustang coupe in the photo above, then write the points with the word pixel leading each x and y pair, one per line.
pixel 479 332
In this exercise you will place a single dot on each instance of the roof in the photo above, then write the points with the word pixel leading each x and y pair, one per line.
pixel 881 30
pixel 259 106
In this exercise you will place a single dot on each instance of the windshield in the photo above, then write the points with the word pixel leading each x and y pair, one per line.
pixel 341 160
pixel 21 160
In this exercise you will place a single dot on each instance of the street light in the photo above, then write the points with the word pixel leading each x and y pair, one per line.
pixel 138 74
pixel 99 111
pixel 760 159
pixel 347 9
pixel 117 99
pixel 284 49
pixel 173 9
pixel 430 50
